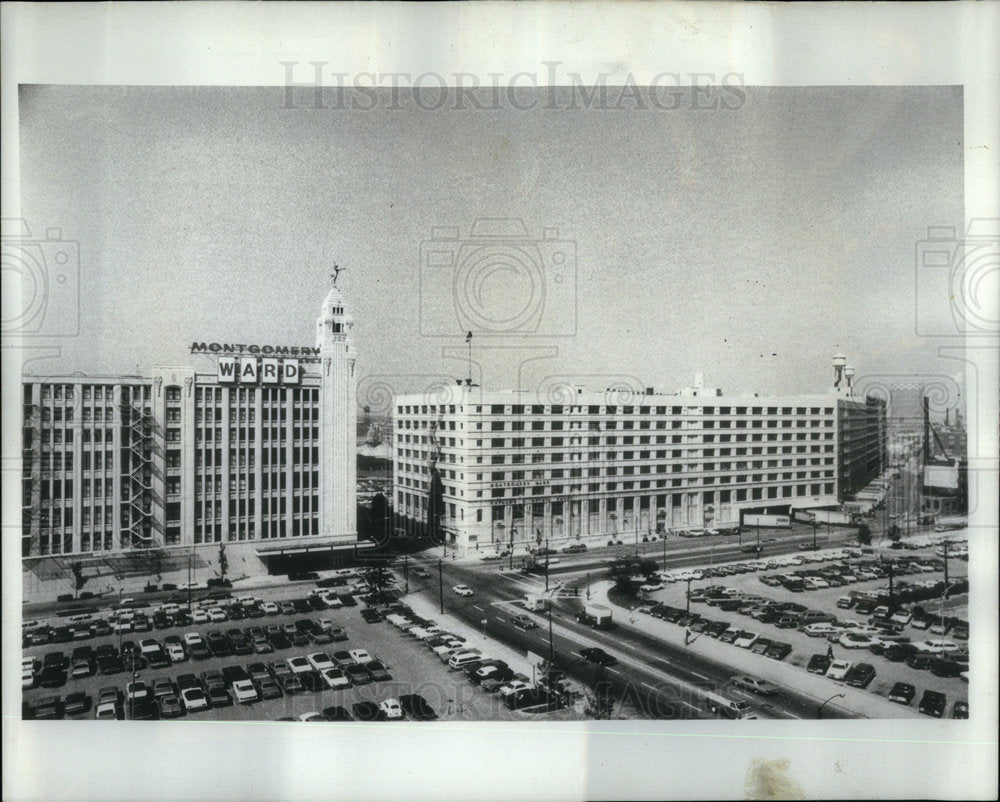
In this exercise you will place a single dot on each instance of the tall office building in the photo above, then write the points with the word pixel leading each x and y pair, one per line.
pixel 495 469
pixel 258 454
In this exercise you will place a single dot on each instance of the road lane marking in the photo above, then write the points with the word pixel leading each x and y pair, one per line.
pixel 476 606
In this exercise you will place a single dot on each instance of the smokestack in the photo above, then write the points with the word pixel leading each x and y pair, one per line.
pixel 946 414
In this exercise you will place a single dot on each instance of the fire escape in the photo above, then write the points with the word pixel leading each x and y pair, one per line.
pixel 137 472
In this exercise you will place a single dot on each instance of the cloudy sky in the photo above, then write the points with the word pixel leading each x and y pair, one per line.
pixel 749 243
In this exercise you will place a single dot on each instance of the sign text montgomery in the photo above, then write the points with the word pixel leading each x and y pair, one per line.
pixel 302 351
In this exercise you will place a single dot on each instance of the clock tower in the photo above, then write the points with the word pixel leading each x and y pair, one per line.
pixel 337 420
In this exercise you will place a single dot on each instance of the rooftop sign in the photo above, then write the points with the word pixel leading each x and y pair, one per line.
pixel 300 351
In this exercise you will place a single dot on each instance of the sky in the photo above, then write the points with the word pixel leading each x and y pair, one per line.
pixel 749 243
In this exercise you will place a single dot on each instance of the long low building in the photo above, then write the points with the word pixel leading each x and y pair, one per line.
pixel 493 470
pixel 258 454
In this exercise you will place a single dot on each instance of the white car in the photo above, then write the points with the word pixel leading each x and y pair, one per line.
pixel 513 687
pixel 218 614
pixel 310 717
pixel 820 629
pixel 320 661
pixel 148 646
pixel 936 646
pixel 901 617
pixel 200 617
pixel 192 638
pixel 298 665
pixel 361 656
pixel 335 678
pixel 270 608
pixel 391 709
pixel 194 699
pixel 332 600
pixel 176 653
pixel 745 639
pixel 244 691
pixel 839 669
pixel 856 640
pixel 106 710
pixel 463 590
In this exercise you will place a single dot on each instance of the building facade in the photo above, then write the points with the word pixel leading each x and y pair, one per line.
pixel 494 470
pixel 258 454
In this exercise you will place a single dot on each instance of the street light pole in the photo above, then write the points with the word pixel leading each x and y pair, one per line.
pixel 406 572
pixel 190 554
pixel 546 564
pixel 819 713
pixel 441 586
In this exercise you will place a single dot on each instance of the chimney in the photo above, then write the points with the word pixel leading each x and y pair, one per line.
pixel 839 361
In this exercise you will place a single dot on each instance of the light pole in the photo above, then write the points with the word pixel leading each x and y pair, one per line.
pixel 190 555
pixel 406 572
pixel 819 713
pixel 441 586
pixel 547 565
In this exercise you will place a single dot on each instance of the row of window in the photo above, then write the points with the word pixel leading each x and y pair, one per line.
pixel 248 395
pixel 610 409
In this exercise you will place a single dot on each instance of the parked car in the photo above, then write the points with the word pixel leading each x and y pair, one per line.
pixel 818 664
pixel 933 703
pixel 861 675
pixel 416 707
pixel 838 669
pixel 463 590
pixel 902 693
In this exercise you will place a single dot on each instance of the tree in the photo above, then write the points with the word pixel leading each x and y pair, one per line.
pixel 79 580
pixel 377 577
pixel 223 561
pixel 599 703
pixel 864 535
pixel 630 573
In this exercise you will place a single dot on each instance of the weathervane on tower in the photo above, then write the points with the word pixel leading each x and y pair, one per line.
pixel 337 270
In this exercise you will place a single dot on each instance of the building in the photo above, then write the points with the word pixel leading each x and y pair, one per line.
pixel 492 470
pixel 258 455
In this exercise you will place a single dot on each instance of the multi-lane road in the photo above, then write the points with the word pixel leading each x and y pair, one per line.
pixel 654 678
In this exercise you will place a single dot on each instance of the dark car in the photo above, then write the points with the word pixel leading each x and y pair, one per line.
pixel 899 652
pixel 347 600
pixel 220 645
pixel 336 713
pixel 158 659
pixel 960 710
pixel 717 628
pixel 761 645
pixel 185 681
pixel 358 675
pixel 787 622
pixel 76 703
pixel 371 616
pixel 311 681
pixel 861 675
pixel 778 650
pixel 921 662
pixel 902 693
pixel 818 664
pixel 947 668
pixel 218 696
pixel 416 707
pixel 367 711
pixel 933 703
pixel 268 688
pixel 280 641
pixel 170 706
pixel 233 674
pixel 599 656
pixel 377 671
pixel 199 651
pixel 52 676
pixel 290 684
pixel 142 710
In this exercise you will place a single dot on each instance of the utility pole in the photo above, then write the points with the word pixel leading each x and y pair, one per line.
pixel 441 585
pixel 588 586
pixel 190 554
pixel 406 572
pixel 814 533
pixel 689 596
pixel 944 544
pixel 664 538
pixel 546 564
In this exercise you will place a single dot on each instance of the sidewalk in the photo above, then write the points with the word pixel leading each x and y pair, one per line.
pixel 855 701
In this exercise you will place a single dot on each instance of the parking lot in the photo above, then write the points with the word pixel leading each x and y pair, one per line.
pixel 412 667
pixel 757 604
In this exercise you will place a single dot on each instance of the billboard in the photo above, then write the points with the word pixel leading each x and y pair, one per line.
pixel 254 370
pixel 944 477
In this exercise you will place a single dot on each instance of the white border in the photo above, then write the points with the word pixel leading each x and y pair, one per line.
pixel 243 44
